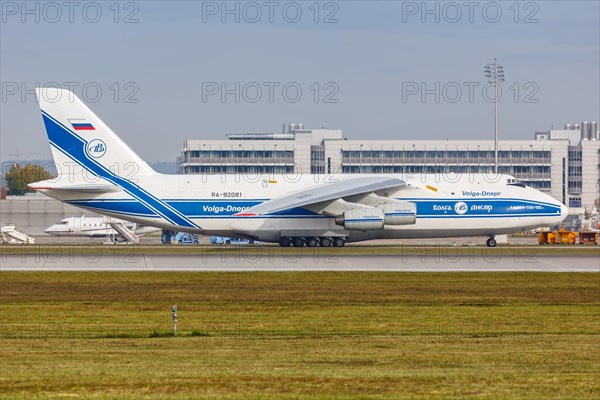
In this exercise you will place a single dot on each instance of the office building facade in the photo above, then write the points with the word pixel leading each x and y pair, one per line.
pixel 564 163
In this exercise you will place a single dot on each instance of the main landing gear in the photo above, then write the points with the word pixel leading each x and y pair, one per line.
pixel 491 242
pixel 312 241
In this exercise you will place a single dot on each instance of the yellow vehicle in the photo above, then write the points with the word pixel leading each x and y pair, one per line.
pixel 563 236
pixel 546 238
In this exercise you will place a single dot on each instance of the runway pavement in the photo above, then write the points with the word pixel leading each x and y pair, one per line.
pixel 277 262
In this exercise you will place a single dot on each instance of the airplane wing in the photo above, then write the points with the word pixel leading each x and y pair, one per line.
pixel 333 198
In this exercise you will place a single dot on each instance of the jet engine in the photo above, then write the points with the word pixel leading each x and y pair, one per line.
pixel 399 212
pixel 361 219
pixel 369 212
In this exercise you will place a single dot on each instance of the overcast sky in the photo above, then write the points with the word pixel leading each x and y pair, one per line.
pixel 361 67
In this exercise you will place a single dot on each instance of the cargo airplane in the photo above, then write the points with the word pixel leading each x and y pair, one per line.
pixel 99 172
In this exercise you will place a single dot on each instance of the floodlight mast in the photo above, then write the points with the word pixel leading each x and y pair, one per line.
pixel 494 72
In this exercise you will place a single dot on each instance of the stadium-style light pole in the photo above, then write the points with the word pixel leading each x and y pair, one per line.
pixel 495 74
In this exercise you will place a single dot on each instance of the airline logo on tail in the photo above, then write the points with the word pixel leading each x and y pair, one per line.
pixel 96 148
pixel 81 125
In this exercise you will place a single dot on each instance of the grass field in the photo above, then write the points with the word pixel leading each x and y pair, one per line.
pixel 300 335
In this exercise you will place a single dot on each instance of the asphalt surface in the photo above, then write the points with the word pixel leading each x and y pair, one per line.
pixel 277 262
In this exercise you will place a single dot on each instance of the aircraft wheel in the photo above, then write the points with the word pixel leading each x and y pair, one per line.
pixel 285 242
pixel 325 242
pixel 491 242
pixel 339 242
pixel 312 242
pixel 298 242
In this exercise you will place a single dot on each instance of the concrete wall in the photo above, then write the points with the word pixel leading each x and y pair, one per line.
pixel 33 214
pixel 590 172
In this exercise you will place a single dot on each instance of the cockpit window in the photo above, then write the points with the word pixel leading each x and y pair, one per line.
pixel 514 182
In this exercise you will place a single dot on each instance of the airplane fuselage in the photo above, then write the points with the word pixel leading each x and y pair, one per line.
pixel 446 206
pixel 99 172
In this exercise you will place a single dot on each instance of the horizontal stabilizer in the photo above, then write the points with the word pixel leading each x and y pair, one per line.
pixel 84 187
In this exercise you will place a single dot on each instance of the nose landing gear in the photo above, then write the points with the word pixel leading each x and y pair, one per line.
pixel 491 242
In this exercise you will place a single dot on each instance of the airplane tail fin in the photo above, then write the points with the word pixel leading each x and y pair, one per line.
pixel 81 143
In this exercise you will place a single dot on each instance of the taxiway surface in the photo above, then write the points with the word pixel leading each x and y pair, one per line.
pixel 273 262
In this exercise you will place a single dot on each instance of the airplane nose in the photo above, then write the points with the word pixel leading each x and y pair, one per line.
pixel 564 211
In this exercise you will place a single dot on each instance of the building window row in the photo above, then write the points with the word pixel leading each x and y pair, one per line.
pixel 539 185
pixel 531 170
pixel 286 154
pixel 443 154
pixel 528 170
pixel 574 170
pixel 574 153
pixel 238 169
pixel 575 202
pixel 317 159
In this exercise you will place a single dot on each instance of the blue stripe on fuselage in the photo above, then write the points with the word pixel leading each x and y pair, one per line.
pixel 484 207
pixel 441 208
pixel 132 207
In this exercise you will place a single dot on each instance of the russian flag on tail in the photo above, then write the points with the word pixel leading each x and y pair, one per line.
pixel 81 125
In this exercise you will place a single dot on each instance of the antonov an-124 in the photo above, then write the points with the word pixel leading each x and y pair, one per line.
pixel 99 172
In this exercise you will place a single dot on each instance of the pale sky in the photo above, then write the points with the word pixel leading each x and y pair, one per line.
pixel 367 61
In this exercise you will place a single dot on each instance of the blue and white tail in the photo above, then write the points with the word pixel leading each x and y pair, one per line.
pixel 94 162
pixel 81 143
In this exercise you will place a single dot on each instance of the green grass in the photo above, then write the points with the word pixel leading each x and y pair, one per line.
pixel 300 335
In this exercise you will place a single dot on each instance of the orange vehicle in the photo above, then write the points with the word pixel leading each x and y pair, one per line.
pixel 564 236
pixel 546 238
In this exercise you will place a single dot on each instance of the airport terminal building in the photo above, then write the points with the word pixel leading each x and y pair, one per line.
pixel 565 163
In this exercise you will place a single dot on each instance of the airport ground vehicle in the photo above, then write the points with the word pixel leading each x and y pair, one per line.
pixel 231 240
pixel 186 238
pixel 563 236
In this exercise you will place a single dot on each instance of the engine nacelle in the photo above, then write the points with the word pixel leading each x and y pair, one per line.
pixel 399 213
pixel 362 219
